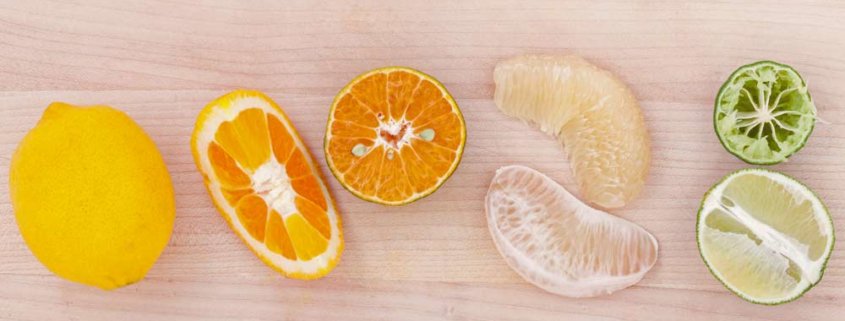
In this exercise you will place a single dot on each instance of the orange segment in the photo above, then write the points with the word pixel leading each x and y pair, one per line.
pixel 437 157
pixel 349 129
pixel 393 182
pixel 373 93
pixel 447 127
pixel 252 213
pixel 297 166
pixel 340 145
pixel 277 238
pixel 315 216
pixel 283 144
pixel 428 115
pixel 307 242
pixel 418 170
pixel 225 169
pixel 233 196
pixel 278 205
pixel 401 86
pixel 309 188
pixel 426 94
pixel 245 138
pixel 353 110
pixel 363 174
pixel 394 136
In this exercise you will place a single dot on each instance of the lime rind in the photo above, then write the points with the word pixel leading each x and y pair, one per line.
pixel 812 196
pixel 764 113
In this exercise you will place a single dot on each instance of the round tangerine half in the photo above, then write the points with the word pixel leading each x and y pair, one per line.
pixel 394 135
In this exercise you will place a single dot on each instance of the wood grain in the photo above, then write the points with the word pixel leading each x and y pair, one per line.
pixel 162 61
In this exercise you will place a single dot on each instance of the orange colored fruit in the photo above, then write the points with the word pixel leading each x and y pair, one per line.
pixel 267 185
pixel 394 135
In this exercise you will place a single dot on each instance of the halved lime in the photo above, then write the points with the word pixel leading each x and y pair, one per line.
pixel 764 235
pixel 764 113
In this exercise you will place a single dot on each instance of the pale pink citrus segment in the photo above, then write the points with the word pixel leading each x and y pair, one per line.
pixel 560 244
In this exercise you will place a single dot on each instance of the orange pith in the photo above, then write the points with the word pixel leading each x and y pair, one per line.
pixel 266 184
pixel 394 135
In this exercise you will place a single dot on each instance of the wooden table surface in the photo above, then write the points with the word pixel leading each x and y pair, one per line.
pixel 162 61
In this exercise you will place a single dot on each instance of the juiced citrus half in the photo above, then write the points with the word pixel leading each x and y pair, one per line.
pixel 560 244
pixel 764 113
pixel 591 111
pixel 394 136
pixel 266 184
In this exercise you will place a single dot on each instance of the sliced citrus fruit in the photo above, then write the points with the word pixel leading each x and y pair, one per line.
pixel 394 136
pixel 560 244
pixel 764 235
pixel 267 185
pixel 595 116
pixel 764 113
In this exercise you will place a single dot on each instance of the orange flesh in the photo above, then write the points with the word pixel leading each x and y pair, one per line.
pixel 385 113
pixel 245 144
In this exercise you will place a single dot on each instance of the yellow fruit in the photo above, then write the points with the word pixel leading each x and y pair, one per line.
pixel 560 244
pixel 92 196
pixel 394 136
pixel 594 114
pixel 266 185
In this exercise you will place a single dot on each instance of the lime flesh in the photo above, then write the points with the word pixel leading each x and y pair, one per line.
pixel 764 235
pixel 764 113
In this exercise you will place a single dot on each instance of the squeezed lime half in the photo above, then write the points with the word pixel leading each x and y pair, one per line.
pixel 764 113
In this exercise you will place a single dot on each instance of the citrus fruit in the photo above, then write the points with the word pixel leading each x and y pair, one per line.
pixel 92 195
pixel 764 113
pixel 267 185
pixel 394 136
pixel 593 114
pixel 560 244
pixel 764 235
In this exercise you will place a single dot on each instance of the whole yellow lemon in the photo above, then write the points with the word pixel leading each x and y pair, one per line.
pixel 92 196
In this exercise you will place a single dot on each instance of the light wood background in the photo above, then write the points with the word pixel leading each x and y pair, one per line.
pixel 161 61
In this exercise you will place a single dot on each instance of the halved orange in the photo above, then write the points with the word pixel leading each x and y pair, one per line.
pixel 394 135
pixel 267 185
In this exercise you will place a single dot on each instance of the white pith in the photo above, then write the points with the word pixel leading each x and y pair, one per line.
pixel 777 243
pixel 275 185
pixel 271 182
pixel 393 127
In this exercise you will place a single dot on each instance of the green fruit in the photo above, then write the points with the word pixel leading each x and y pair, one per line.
pixel 764 235
pixel 764 113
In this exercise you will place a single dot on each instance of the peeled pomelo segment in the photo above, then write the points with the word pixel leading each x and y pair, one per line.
pixel 560 244
pixel 592 113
